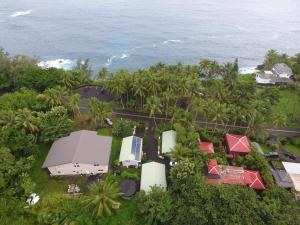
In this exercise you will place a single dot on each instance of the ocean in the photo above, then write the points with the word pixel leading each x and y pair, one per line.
pixel 134 34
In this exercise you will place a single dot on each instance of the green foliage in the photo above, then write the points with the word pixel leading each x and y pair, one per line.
pixel 131 174
pixel 103 197
pixel 156 206
pixel 256 161
pixel 55 124
pixel 21 99
pixel 123 128
pixel 41 79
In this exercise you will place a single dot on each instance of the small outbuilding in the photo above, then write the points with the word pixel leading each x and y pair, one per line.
pixel 131 151
pixel 293 169
pixel 237 144
pixel 168 141
pixel 207 147
pixel 153 174
pixel 82 152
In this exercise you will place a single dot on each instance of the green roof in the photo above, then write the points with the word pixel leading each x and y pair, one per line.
pixel 153 174
pixel 168 141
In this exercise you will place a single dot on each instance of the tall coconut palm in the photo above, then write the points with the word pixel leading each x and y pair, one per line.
pixel 74 103
pixel 26 119
pixel 54 96
pixel 7 118
pixel 102 197
pixel 99 110
pixel 67 80
pixel 153 105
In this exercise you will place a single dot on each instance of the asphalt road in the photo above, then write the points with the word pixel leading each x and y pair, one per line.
pixel 143 117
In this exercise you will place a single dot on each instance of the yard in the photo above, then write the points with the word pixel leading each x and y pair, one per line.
pixel 266 148
pixel 289 106
pixel 45 184
pixel 293 149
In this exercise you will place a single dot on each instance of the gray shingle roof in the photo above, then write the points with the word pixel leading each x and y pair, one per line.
pixel 80 147
pixel 282 68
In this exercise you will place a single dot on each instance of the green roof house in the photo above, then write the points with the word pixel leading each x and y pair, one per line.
pixel 168 141
pixel 153 174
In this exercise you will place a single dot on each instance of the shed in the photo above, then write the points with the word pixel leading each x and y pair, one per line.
pixel 237 144
pixel 153 174
pixel 168 141
pixel 131 151
pixel 207 147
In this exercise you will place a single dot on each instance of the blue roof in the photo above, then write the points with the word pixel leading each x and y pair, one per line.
pixel 135 147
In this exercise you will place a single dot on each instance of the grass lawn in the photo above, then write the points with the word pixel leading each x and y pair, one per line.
pixel 293 149
pixel 265 148
pixel 48 185
pixel 288 105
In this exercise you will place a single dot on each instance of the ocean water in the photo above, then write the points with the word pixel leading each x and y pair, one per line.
pixel 135 34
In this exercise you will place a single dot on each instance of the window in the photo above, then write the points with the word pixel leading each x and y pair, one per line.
pixel 58 172
pixel 96 164
pixel 100 170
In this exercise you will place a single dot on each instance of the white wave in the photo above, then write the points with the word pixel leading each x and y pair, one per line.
pixel 110 60
pixel 124 56
pixel 248 70
pixel 21 13
pixel 241 28
pixel 275 37
pixel 66 64
pixel 172 41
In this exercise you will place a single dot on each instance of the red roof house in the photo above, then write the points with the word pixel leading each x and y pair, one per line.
pixel 206 147
pixel 213 167
pixel 254 180
pixel 237 144
pixel 233 175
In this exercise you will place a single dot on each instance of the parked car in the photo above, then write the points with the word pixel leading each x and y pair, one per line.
pixel 108 121
pixel 173 164
pixel 290 155
pixel 32 200
pixel 271 154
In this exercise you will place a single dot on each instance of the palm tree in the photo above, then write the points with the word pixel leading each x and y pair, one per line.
pixel 7 118
pixel 54 96
pixel 102 197
pixel 99 110
pixel 279 120
pixel 26 119
pixel 67 80
pixel 153 105
pixel 74 103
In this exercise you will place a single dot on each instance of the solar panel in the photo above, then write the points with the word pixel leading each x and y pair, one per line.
pixel 135 147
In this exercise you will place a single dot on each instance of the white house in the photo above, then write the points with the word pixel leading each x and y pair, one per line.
pixel 153 174
pixel 82 152
pixel 131 151
pixel 293 170
pixel 280 74
pixel 282 70
pixel 168 141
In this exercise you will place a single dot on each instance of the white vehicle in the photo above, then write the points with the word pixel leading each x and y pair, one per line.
pixel 32 200
pixel 172 164
pixel 108 121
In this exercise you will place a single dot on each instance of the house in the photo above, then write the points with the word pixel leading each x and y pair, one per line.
pixel 280 74
pixel 224 174
pixel 82 152
pixel 168 141
pixel 293 169
pixel 153 174
pixel 237 144
pixel 131 151
pixel 282 70
pixel 282 178
pixel 207 147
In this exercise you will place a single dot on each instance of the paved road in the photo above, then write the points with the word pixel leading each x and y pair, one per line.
pixel 143 117
pixel 103 95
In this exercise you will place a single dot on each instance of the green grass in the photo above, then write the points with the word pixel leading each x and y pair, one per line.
pixel 289 106
pixel 44 184
pixel 293 149
pixel 265 148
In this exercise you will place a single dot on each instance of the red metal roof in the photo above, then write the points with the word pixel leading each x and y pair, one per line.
pixel 237 143
pixel 206 147
pixel 213 167
pixel 254 180
pixel 234 175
